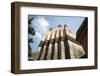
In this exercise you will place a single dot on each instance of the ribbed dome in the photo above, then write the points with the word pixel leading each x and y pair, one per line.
pixel 59 43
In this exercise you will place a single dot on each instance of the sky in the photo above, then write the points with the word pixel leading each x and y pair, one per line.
pixel 42 24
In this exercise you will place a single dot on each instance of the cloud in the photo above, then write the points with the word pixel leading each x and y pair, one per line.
pixel 36 36
pixel 41 26
pixel 42 21
pixel 36 40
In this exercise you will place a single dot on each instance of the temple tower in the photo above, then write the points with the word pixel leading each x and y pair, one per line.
pixel 59 43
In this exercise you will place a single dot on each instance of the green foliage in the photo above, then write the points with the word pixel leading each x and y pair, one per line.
pixel 31 31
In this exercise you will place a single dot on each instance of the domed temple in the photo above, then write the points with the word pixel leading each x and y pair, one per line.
pixel 59 43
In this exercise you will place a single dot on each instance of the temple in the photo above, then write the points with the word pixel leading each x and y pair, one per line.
pixel 61 43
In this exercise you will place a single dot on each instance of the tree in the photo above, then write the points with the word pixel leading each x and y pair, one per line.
pixel 31 31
